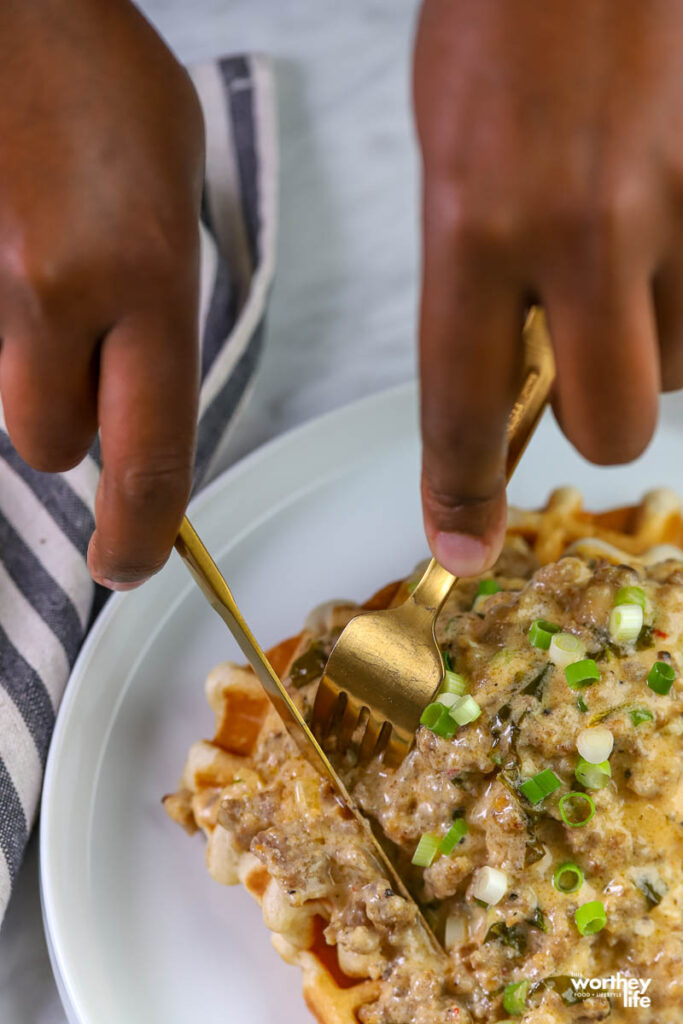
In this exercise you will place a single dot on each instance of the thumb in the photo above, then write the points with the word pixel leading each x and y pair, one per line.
pixel 470 359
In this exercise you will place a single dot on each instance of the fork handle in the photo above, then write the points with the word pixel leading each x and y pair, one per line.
pixel 539 373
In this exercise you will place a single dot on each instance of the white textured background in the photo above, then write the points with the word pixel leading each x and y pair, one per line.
pixel 342 315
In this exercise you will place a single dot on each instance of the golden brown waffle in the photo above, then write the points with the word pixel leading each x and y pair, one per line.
pixel 241 709
pixel 619 534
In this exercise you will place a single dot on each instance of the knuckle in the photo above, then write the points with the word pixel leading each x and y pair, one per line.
pixel 603 219
pixel 35 274
pixel 454 499
pixel 486 224
pixel 162 481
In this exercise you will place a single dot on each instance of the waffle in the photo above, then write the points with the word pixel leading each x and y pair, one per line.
pixel 241 711
pixel 650 531
pixel 646 532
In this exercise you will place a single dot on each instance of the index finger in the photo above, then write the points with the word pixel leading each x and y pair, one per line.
pixel 147 407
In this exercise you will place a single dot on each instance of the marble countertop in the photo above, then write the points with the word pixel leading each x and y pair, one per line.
pixel 342 315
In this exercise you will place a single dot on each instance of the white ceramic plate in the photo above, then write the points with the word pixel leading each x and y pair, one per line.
pixel 138 931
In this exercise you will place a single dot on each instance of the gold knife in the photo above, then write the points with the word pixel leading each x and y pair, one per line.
pixel 217 592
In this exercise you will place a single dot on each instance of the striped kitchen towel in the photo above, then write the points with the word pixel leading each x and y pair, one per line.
pixel 47 599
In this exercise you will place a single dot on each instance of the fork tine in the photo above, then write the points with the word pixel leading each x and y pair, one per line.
pixel 373 731
pixel 326 705
pixel 351 717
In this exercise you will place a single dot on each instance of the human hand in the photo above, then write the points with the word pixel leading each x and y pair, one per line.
pixel 100 184
pixel 552 146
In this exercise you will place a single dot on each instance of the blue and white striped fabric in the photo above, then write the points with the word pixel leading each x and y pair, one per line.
pixel 47 599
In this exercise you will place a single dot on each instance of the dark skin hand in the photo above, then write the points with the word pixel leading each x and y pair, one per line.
pixel 100 187
pixel 552 144
pixel 553 173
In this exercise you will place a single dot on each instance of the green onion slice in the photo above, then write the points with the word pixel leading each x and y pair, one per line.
pixel 568 877
pixel 570 800
pixel 447 663
pixel 639 715
pixel 540 786
pixel 590 917
pixel 661 677
pixel 426 850
pixel 466 710
pixel 625 623
pixel 593 776
pixel 581 705
pixel 541 633
pixel 581 673
pixel 486 587
pixel 431 715
pixel 514 997
pixel 456 832
pixel 437 718
pixel 453 683
pixel 630 595
pixel 566 648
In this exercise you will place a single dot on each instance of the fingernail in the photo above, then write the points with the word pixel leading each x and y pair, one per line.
pixel 462 554
pixel 121 587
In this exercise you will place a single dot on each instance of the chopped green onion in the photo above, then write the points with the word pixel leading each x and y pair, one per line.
pixel 593 776
pixel 639 715
pixel 540 786
pixel 531 791
pixel 456 832
pixel 466 710
pixel 426 850
pixel 581 705
pixel 590 917
pixel 514 997
pixel 445 728
pixel 581 673
pixel 661 677
pixel 487 587
pixel 567 800
pixel 568 877
pixel 455 931
pixel 541 633
pixel 566 648
pixel 447 699
pixel 630 595
pixel 447 663
pixel 625 623
pixel 548 781
pixel 437 718
pixel 431 715
pixel 453 683
pixel 489 885
pixel 595 744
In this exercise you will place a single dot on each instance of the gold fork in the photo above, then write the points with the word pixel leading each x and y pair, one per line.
pixel 386 666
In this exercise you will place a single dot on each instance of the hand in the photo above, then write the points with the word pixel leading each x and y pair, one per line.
pixel 100 183
pixel 552 144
